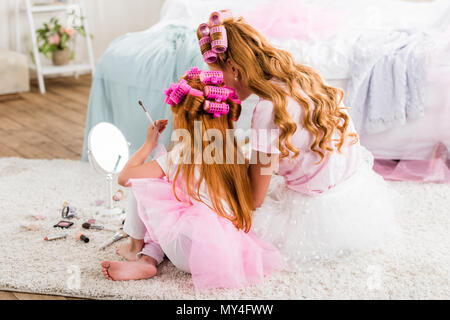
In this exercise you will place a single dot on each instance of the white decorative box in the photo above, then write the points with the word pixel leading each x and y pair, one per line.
pixel 14 74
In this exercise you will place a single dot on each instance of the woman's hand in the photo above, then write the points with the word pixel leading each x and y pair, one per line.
pixel 153 132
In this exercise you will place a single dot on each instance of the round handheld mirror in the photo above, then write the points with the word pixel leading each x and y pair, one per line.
pixel 108 153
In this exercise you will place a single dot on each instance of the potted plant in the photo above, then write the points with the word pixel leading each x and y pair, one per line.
pixel 54 38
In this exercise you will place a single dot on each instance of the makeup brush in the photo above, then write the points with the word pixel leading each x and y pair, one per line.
pixel 160 148
pixel 88 225
pixel 116 237
pixel 146 113
pixel 82 237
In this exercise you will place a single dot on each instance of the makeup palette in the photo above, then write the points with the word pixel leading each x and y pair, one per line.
pixel 63 224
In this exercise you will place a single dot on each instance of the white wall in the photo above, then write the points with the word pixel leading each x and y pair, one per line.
pixel 107 19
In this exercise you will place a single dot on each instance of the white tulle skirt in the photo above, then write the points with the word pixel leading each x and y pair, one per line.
pixel 358 214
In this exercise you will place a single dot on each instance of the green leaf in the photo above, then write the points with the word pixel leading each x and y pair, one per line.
pixel 64 39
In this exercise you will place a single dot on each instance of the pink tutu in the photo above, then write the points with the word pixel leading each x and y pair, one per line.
pixel 220 255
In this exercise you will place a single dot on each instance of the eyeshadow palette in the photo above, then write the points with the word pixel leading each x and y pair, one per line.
pixel 63 224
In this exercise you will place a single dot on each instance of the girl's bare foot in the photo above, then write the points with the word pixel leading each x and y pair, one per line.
pixel 144 268
pixel 130 249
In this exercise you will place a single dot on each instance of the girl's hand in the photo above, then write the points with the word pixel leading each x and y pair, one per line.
pixel 153 132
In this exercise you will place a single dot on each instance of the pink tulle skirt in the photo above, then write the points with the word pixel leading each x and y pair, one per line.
pixel 220 255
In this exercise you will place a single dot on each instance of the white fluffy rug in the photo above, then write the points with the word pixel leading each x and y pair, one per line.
pixel 416 268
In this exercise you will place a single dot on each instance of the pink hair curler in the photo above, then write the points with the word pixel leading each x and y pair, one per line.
pixel 219 46
pixel 168 92
pixel 211 77
pixel 180 91
pixel 196 93
pixel 218 17
pixel 217 93
pixel 233 96
pixel 204 29
pixel 193 73
pixel 210 56
pixel 217 108
pixel 204 40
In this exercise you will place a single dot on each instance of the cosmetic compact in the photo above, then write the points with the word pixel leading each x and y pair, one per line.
pixel 63 224
pixel 68 212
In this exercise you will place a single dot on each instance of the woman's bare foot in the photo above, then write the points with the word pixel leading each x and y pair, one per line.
pixel 130 249
pixel 144 268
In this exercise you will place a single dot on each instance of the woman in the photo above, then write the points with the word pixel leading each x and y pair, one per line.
pixel 325 199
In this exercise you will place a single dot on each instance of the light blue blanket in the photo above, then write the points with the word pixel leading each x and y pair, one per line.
pixel 139 66
pixel 387 83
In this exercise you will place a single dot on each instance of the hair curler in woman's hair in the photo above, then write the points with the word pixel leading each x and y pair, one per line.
pixel 205 43
pixel 219 41
pixel 193 73
pixel 180 91
pixel 217 93
pixel 217 32
pixel 210 56
pixel 211 77
pixel 216 108
pixel 203 30
pixel 219 17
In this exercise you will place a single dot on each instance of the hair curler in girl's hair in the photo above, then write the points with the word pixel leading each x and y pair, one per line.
pixel 180 91
pixel 193 73
pixel 233 96
pixel 168 92
pixel 216 108
pixel 217 93
pixel 211 77
pixel 194 101
pixel 195 93
pixel 205 43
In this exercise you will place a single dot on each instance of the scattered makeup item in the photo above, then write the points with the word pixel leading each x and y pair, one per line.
pixel 116 237
pixel 55 237
pixel 98 203
pixel 30 226
pixel 118 195
pixel 63 224
pixel 68 211
pixel 82 237
pixel 88 225
pixel 91 220
pixel 117 163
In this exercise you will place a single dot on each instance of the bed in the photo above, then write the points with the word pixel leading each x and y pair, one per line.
pixel 140 65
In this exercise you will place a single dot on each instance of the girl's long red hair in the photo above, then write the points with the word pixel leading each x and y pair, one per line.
pixel 227 181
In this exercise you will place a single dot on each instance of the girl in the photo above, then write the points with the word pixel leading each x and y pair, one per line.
pixel 200 219
pixel 326 199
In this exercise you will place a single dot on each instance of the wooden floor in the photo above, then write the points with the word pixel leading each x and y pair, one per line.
pixel 5 295
pixel 48 126
pixel 45 126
